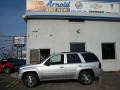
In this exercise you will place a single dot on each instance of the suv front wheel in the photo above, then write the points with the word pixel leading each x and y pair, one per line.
pixel 85 78
pixel 30 80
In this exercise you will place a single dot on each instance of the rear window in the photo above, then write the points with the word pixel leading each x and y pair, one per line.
pixel 89 57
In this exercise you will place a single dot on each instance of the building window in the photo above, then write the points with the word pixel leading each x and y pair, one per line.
pixel 108 50
pixel 77 47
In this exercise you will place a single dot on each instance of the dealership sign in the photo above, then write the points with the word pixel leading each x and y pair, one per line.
pixel 48 5
pixel 70 8
pixel 19 41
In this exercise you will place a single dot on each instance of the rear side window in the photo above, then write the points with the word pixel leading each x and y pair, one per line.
pixel 73 58
pixel 89 57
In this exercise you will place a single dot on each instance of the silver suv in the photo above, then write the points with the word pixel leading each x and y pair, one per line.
pixel 82 66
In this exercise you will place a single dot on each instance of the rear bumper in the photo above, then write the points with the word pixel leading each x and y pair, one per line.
pixel 98 72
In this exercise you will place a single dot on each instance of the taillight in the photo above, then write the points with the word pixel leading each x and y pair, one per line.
pixel 99 65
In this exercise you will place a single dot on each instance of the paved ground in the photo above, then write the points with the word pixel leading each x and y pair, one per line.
pixel 109 81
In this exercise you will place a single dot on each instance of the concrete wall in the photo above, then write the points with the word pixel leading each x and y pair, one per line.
pixel 58 34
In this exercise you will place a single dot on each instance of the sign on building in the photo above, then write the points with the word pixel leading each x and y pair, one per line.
pixel 72 6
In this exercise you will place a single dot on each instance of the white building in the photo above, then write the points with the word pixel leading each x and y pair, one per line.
pixel 65 25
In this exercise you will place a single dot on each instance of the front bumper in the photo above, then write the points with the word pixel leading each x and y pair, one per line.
pixel 18 76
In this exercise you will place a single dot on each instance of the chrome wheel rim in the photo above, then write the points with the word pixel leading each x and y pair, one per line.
pixel 86 78
pixel 30 81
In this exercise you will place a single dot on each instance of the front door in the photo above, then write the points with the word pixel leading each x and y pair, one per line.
pixel 54 68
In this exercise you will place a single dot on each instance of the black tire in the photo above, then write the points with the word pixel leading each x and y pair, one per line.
pixel 86 78
pixel 7 70
pixel 30 80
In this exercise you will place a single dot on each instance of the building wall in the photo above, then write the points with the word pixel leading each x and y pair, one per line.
pixel 58 34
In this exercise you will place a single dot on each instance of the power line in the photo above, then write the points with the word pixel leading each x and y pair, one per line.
pixel 2 35
pixel 12 36
pixel 7 46
pixel 6 40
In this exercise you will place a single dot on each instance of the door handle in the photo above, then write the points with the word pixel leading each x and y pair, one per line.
pixel 61 67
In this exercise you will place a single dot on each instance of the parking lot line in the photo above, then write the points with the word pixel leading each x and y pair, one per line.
pixel 13 83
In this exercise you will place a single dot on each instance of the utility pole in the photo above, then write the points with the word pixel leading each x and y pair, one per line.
pixel 3 54
pixel 21 52
pixel 12 47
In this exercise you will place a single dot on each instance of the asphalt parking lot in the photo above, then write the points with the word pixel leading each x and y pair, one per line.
pixel 108 81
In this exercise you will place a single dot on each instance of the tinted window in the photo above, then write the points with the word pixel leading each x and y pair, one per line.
pixel 108 51
pixel 89 57
pixel 73 58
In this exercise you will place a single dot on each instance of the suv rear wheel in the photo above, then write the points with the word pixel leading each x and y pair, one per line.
pixel 86 77
pixel 30 80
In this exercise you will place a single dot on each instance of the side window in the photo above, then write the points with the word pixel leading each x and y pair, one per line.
pixel 57 59
pixel 89 57
pixel 73 58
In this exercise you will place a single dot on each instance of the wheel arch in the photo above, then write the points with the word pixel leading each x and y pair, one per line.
pixel 34 72
pixel 88 70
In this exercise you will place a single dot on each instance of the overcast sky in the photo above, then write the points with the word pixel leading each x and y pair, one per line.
pixel 11 21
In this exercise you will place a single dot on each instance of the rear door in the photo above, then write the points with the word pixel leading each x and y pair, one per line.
pixel 73 63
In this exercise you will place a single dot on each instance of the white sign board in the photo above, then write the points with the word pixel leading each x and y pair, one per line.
pixel 71 6
pixel 94 7
pixel 19 40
